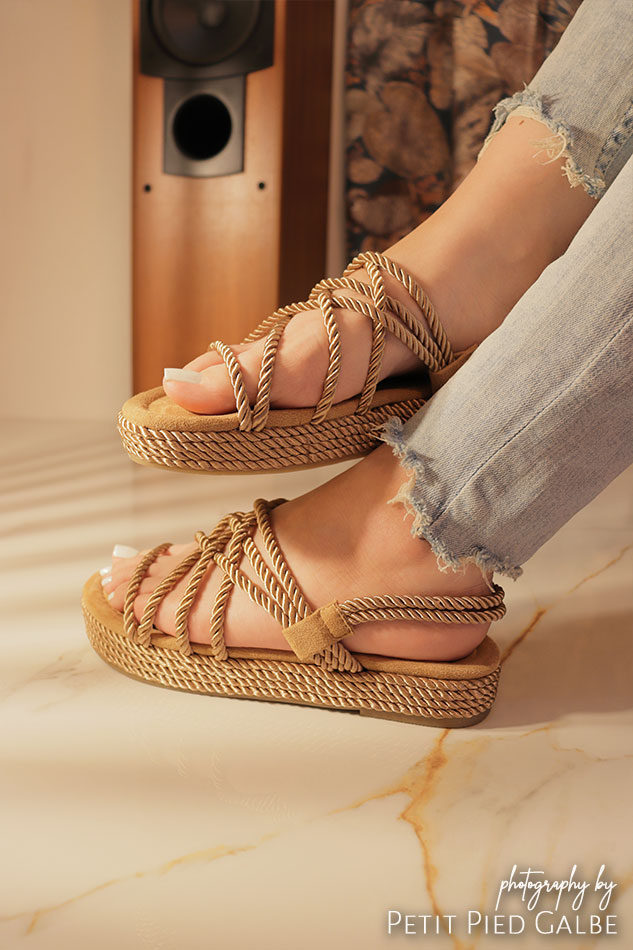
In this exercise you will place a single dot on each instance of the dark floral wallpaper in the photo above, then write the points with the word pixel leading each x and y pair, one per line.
pixel 422 78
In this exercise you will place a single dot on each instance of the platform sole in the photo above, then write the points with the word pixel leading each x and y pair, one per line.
pixel 275 448
pixel 423 700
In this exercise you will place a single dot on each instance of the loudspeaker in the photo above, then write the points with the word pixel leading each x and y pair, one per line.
pixel 203 49
pixel 231 146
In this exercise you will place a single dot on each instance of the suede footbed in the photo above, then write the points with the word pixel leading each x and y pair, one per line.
pixel 152 409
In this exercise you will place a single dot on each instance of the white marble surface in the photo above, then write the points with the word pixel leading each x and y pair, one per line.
pixel 135 817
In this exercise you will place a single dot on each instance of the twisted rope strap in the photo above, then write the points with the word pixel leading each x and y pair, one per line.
pixel 386 314
pixel 314 636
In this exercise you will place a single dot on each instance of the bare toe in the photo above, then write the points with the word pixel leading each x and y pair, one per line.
pixel 212 393
pixel 213 358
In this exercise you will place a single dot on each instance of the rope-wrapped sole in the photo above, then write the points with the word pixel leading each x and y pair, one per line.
pixel 428 700
pixel 273 448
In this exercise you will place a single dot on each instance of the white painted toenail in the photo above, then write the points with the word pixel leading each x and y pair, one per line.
pixel 105 570
pixel 181 376
pixel 110 596
pixel 123 550
pixel 106 580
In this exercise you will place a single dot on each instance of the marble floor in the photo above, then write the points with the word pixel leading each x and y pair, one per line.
pixel 134 817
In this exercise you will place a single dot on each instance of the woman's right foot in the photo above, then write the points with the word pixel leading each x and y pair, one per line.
pixel 341 541
pixel 475 257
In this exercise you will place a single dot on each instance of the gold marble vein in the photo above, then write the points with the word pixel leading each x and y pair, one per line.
pixel 205 855
pixel 542 611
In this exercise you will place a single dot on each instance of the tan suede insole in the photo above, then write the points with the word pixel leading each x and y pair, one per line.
pixel 152 409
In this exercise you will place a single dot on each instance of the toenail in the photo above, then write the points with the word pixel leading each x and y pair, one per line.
pixel 123 550
pixel 110 596
pixel 105 570
pixel 106 580
pixel 181 375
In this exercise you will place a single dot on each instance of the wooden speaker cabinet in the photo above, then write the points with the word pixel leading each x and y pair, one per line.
pixel 215 252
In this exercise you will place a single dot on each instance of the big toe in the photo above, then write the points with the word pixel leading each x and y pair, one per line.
pixel 212 358
pixel 208 390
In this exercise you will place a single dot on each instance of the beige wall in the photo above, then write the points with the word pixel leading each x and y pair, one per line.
pixel 65 115
pixel 65 242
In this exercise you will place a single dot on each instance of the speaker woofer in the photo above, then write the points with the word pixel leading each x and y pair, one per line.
pixel 203 32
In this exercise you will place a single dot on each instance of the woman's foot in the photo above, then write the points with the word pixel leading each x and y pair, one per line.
pixel 302 360
pixel 342 540
pixel 475 257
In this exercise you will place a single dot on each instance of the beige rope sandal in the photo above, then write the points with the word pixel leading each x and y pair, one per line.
pixel 319 671
pixel 156 431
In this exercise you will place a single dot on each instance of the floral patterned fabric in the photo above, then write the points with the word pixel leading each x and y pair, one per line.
pixel 422 78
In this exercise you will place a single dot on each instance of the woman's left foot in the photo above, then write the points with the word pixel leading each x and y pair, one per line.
pixel 474 257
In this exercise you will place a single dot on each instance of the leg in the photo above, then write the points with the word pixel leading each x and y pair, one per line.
pixel 512 216
pixel 560 369
pixel 536 423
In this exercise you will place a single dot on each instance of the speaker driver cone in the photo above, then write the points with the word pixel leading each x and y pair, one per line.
pixel 203 32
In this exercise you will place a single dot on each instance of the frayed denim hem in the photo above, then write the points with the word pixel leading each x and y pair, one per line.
pixel 422 527
pixel 528 103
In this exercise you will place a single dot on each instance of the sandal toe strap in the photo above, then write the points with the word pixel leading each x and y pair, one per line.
pixel 242 403
pixel 429 343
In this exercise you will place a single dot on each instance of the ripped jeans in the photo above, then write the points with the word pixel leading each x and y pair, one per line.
pixel 540 418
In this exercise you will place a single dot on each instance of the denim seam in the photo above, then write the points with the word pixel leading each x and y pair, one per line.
pixel 615 140
pixel 410 459
pixel 559 145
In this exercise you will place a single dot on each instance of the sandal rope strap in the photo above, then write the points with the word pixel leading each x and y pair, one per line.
pixel 387 315
pixel 314 635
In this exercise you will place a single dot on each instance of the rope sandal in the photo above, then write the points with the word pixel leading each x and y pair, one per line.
pixel 319 671
pixel 156 431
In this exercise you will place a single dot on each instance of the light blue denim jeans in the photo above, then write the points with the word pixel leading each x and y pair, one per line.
pixel 540 418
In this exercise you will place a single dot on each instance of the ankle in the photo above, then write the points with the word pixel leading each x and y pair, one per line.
pixel 473 275
pixel 363 537
pixel 490 241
